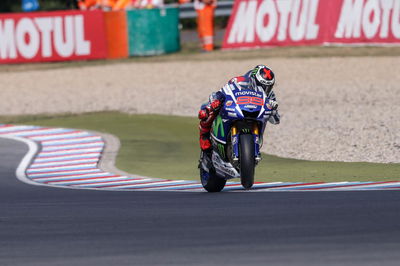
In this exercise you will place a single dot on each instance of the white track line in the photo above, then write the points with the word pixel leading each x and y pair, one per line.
pixel 28 158
pixel 69 158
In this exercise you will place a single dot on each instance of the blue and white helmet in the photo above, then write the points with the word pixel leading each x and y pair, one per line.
pixel 262 77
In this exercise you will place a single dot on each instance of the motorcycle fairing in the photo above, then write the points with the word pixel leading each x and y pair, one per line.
pixel 239 104
pixel 223 168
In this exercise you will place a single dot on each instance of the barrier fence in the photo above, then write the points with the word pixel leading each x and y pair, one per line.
pixel 257 23
pixel 82 35
pixel 52 36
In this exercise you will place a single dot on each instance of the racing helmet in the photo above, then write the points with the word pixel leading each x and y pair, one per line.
pixel 262 77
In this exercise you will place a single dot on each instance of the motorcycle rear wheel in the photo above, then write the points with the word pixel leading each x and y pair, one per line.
pixel 246 160
pixel 213 183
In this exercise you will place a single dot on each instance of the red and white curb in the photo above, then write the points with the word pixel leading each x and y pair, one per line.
pixel 70 158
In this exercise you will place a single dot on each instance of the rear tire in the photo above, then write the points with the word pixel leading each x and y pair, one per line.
pixel 247 160
pixel 213 183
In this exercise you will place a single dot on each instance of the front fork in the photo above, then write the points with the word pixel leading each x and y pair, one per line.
pixel 235 141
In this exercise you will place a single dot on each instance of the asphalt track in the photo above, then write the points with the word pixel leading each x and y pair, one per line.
pixel 54 226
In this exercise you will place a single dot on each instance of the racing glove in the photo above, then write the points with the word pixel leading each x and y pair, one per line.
pixel 215 105
pixel 273 105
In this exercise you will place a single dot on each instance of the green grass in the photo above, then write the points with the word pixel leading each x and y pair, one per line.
pixel 167 147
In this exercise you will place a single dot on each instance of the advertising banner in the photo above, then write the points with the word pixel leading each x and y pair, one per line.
pixel 52 36
pixel 257 23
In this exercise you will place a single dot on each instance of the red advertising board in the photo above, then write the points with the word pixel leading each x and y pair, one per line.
pixel 52 36
pixel 256 23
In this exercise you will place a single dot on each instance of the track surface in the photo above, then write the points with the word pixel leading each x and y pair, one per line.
pixel 51 226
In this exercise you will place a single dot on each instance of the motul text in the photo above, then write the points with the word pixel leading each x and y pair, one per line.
pixel 372 18
pixel 50 37
pixel 293 19
pixel 299 22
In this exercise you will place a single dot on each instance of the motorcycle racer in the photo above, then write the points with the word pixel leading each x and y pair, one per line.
pixel 260 78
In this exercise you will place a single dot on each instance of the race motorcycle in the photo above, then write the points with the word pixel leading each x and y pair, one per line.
pixel 236 137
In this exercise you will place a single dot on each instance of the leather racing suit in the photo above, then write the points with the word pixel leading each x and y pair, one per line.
pixel 209 110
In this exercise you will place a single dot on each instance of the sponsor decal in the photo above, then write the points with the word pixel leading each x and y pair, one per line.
pixel 221 149
pixel 252 93
pixel 228 103
pixel 222 166
pixel 234 140
pixel 232 114
pixel 51 36
pixel 245 130
pixel 255 23
pixel 230 109
pixel 218 127
pixel 250 106
pixel 372 19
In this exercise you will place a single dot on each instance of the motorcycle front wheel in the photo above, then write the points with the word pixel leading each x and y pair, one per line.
pixel 246 160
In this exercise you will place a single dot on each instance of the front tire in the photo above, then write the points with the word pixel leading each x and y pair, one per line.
pixel 247 161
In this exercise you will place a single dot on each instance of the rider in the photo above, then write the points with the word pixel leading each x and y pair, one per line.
pixel 259 78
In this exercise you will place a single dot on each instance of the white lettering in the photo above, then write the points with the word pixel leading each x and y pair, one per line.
pixel 272 18
pixel 386 5
pixel 64 45
pixel 284 7
pixel 266 32
pixel 43 36
pixel 243 25
pixel 27 37
pixel 7 40
pixel 371 10
pixel 45 26
pixel 312 26
pixel 349 24
pixel 396 19
pixel 241 93
pixel 298 26
pixel 82 46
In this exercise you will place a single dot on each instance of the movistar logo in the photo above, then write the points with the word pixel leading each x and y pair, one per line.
pixel 245 93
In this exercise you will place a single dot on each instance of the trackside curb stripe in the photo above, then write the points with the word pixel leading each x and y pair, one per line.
pixel 70 158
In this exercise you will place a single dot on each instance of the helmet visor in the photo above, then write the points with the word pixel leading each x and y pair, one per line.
pixel 265 85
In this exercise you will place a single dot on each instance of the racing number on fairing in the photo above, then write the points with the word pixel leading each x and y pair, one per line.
pixel 250 100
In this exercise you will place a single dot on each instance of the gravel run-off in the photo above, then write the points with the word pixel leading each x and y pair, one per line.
pixel 335 109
